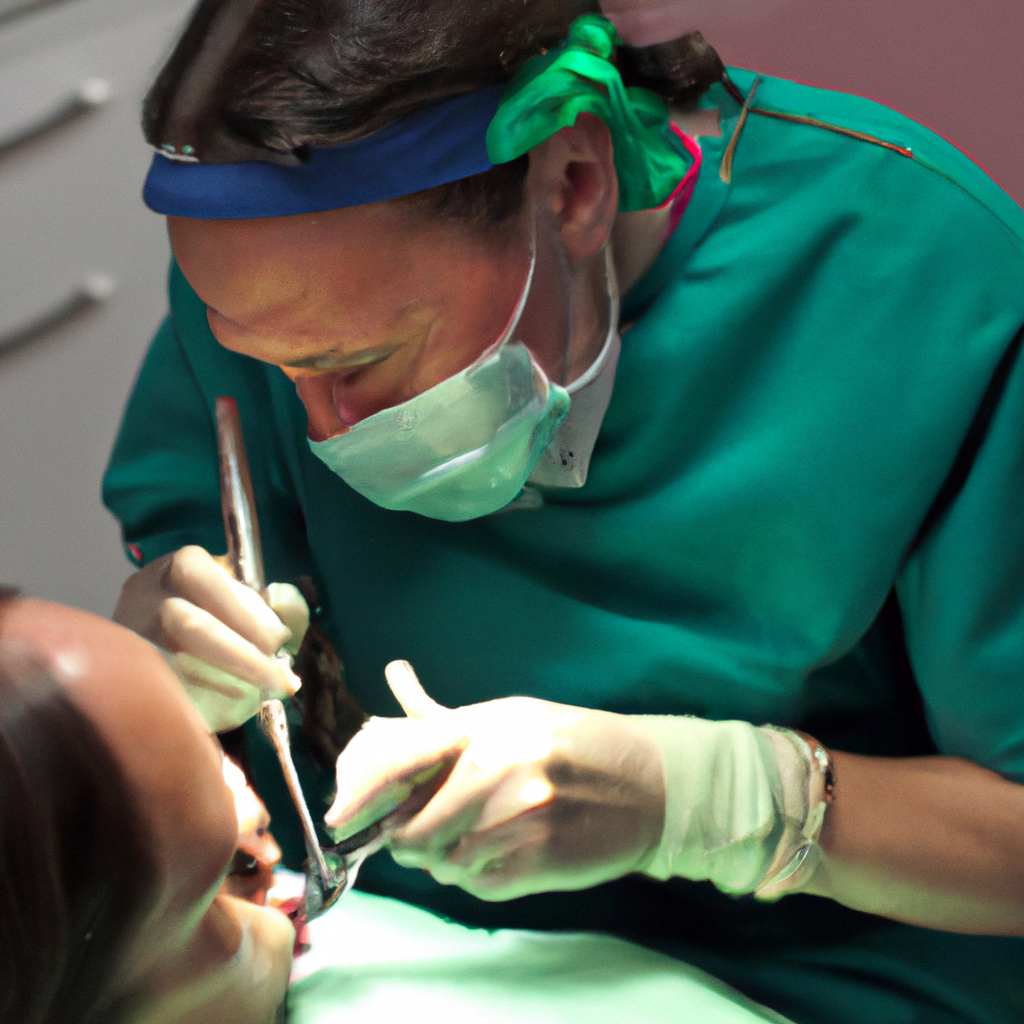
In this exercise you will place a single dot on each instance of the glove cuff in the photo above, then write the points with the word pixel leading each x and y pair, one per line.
pixel 743 806
pixel 809 784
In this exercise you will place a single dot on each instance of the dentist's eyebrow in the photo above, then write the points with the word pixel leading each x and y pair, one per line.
pixel 334 361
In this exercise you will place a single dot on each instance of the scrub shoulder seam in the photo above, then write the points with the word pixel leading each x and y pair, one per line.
pixel 903 151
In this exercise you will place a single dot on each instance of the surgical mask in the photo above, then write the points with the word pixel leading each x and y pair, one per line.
pixel 566 460
pixel 463 448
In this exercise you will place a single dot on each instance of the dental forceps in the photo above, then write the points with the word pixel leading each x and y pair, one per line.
pixel 325 882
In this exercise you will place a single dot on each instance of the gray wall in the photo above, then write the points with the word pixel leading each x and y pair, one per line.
pixel 70 212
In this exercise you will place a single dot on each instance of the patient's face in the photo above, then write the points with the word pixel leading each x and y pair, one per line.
pixel 201 955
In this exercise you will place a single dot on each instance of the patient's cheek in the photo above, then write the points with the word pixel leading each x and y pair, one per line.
pixel 251 874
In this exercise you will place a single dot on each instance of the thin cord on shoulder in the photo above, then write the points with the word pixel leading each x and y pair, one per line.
pixel 725 171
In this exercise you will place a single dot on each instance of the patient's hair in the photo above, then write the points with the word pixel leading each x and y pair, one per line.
pixel 75 869
pixel 306 73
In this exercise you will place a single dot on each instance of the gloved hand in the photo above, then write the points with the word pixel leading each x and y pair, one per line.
pixel 517 796
pixel 222 638
pixel 524 795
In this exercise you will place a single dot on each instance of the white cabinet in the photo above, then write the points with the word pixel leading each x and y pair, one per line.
pixel 82 272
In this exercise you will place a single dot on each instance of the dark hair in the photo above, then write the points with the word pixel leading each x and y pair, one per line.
pixel 287 75
pixel 76 874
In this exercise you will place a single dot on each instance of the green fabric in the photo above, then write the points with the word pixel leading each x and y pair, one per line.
pixel 814 445
pixel 375 959
pixel 551 91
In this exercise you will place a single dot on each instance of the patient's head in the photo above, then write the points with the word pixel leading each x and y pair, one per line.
pixel 116 830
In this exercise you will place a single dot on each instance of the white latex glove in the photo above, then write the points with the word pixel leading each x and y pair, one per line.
pixel 740 804
pixel 517 796
pixel 524 795
pixel 222 639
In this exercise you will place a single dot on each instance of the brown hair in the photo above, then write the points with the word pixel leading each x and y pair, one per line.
pixel 304 73
pixel 76 874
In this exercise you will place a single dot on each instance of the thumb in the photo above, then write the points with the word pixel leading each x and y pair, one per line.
pixel 408 691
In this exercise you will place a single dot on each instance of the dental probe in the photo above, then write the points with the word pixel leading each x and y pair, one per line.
pixel 245 556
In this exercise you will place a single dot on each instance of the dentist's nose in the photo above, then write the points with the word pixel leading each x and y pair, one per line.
pixel 317 394
pixel 334 401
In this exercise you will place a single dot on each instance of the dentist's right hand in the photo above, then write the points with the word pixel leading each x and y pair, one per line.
pixel 221 638
pixel 506 797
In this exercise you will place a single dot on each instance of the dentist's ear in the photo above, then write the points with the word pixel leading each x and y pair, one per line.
pixel 572 176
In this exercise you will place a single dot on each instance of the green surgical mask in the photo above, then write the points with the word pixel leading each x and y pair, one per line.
pixel 461 449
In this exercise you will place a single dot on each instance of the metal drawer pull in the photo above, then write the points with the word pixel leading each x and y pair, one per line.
pixel 93 291
pixel 92 93
pixel 11 9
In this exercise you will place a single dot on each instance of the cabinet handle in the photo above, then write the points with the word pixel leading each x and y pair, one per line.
pixel 9 11
pixel 92 93
pixel 92 291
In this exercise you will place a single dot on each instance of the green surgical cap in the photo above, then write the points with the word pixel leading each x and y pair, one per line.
pixel 551 90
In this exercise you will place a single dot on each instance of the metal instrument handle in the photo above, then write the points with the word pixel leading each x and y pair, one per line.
pixel 238 503
pixel 245 555
pixel 93 291
pixel 91 94
pixel 275 726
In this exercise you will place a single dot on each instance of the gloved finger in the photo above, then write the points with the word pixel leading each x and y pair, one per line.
pixel 224 700
pixel 290 607
pixel 384 764
pixel 518 858
pixel 138 605
pixel 425 840
pixel 471 800
pixel 189 629
pixel 193 574
pixel 394 802
pixel 409 692
pixel 500 863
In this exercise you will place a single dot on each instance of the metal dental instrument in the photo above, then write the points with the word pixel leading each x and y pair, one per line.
pixel 324 884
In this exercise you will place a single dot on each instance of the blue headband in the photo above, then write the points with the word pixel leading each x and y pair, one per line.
pixel 431 146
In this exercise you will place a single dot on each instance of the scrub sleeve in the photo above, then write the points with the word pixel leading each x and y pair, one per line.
pixel 803 509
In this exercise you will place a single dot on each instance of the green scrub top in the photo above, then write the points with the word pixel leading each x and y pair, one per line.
pixel 804 507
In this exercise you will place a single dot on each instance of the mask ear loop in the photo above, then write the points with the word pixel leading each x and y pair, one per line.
pixel 517 313
pixel 612 288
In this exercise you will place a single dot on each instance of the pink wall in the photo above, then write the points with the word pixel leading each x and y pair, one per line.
pixel 956 65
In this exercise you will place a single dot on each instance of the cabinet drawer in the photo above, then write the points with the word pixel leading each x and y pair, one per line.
pixel 71 213
pixel 70 210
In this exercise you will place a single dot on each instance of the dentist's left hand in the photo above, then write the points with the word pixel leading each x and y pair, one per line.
pixel 221 637
pixel 507 797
